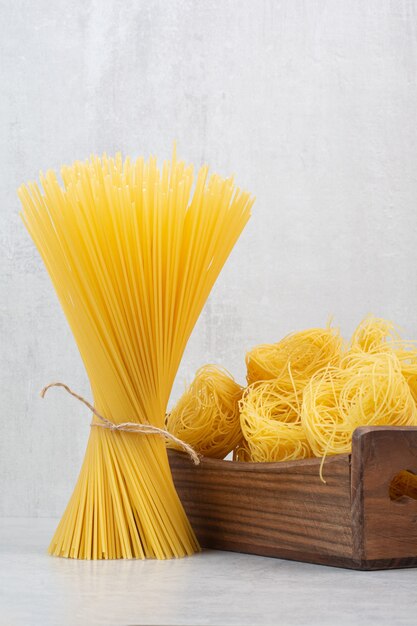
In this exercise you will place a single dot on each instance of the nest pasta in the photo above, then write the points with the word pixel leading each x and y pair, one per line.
pixel 207 414
pixel 295 358
pixel 271 406
pixel 271 425
pixel 133 253
pixel 339 400
pixel 306 395
pixel 319 391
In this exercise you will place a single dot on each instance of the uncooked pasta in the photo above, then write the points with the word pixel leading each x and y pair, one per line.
pixel 403 484
pixel 373 335
pixel 133 252
pixel 271 406
pixel 318 391
pixel 207 414
pixel 336 401
pixel 294 359
pixel 242 452
pixel 271 425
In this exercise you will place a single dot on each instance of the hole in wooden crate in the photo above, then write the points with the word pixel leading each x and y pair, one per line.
pixel 403 484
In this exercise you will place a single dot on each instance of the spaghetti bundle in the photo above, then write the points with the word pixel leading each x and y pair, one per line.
pixel 132 254
pixel 207 414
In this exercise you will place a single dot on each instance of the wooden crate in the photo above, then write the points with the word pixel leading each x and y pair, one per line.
pixel 284 510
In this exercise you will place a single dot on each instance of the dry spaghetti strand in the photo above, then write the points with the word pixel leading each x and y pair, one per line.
pixel 133 254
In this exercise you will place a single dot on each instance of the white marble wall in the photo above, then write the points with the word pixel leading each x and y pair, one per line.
pixel 311 103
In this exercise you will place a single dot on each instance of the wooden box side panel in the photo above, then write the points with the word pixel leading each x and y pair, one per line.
pixel 385 530
pixel 272 509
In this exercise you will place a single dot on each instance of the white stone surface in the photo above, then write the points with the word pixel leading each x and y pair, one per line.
pixel 311 103
pixel 213 588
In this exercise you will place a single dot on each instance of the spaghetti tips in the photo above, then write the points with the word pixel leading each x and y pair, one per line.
pixel 207 415
pixel 133 253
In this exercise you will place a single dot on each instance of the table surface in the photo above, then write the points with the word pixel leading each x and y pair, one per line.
pixel 216 588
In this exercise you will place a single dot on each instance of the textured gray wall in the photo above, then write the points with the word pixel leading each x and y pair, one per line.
pixel 311 103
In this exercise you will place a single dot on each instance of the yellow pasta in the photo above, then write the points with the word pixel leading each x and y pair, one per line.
pixel 375 335
pixel 207 414
pixel 338 400
pixel 242 452
pixel 271 425
pixel 403 484
pixel 271 406
pixel 317 392
pixel 407 357
pixel 295 358
pixel 133 253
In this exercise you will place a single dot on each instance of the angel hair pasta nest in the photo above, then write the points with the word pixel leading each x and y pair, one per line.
pixel 207 415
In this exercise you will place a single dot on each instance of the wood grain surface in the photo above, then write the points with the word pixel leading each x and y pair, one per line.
pixel 271 509
pixel 284 509
pixel 384 529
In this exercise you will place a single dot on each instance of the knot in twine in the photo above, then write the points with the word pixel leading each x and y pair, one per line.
pixel 128 427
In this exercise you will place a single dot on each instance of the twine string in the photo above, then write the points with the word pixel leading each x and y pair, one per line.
pixel 129 427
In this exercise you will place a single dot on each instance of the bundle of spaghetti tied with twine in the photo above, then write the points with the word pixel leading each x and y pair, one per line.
pixel 133 251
